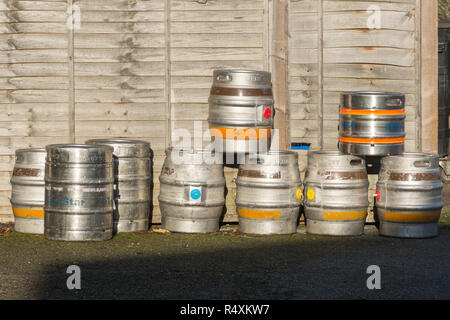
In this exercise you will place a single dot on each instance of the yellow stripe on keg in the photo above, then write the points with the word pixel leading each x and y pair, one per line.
pixel 240 134
pixel 259 214
pixel 344 215
pixel 28 213
pixel 412 217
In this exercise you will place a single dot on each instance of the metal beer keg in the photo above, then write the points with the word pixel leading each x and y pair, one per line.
pixel 241 110
pixel 336 194
pixel 192 191
pixel 28 190
pixel 409 195
pixel 269 193
pixel 79 182
pixel 372 123
pixel 132 182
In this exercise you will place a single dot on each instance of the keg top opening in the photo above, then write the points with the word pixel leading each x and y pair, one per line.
pixel 30 150
pixel 78 146
pixel 375 93
pixel 241 71
pixel 411 155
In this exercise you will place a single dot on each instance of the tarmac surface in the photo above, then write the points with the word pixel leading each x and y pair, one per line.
pixel 226 265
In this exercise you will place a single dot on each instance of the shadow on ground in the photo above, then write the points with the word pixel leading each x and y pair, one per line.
pixel 226 266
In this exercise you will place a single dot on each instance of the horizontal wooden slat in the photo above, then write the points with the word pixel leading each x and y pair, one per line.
pixel 216 40
pixel 33 41
pixel 33 112
pixel 120 128
pixel 216 5
pixel 120 111
pixel 59 5
pixel 225 54
pixel 369 38
pixel 32 96
pixel 359 19
pixel 122 40
pixel 216 27
pixel 33 69
pixel 119 82
pixel 219 15
pixel 122 55
pixel 152 68
pixel 124 95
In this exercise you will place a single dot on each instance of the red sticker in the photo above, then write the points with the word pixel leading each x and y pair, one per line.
pixel 378 194
pixel 267 113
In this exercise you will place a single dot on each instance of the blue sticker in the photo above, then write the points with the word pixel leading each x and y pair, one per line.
pixel 195 194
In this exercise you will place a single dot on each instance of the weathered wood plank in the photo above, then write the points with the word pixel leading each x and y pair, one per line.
pixel 402 6
pixel 371 71
pixel 36 55
pixel 123 40
pixel 122 55
pixel 359 19
pixel 246 40
pixel 32 96
pixel 124 95
pixel 33 112
pixel 39 83
pixel 32 41
pixel 216 5
pixel 9 145
pixel 121 16
pixel 33 16
pixel 119 82
pixel 120 111
pixel 391 56
pixel 34 128
pixel 33 5
pixel 132 69
pixel 33 69
pixel 369 38
pixel 206 68
pixel 216 27
pixel 216 16
pixel 120 128
pixel 121 27
pixel 350 84
pixel 48 27
pixel 120 5
pixel 225 54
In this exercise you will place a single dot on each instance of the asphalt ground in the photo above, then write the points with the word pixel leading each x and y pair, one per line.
pixel 227 265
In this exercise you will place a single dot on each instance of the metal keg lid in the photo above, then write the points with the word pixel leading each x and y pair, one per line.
pixel 79 153
pixel 125 148
pixel 191 156
pixel 273 157
pixel 242 78
pixel 411 160
pixel 30 155
pixel 324 159
pixel 372 100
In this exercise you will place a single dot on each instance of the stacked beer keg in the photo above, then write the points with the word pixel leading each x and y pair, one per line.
pixel 408 192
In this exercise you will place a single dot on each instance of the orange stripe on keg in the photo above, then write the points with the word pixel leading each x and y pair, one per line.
pixel 344 215
pixel 240 134
pixel 412 217
pixel 372 112
pixel 28 213
pixel 370 140
pixel 259 214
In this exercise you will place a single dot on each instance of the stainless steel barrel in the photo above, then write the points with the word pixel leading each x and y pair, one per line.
pixel 409 195
pixel 269 193
pixel 132 183
pixel 336 194
pixel 241 110
pixel 28 190
pixel 192 191
pixel 372 123
pixel 79 182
